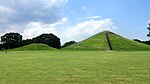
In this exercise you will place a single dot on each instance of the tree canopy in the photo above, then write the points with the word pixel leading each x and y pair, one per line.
pixel 68 43
pixel 11 40
pixel 14 40
pixel 49 39
pixel 149 30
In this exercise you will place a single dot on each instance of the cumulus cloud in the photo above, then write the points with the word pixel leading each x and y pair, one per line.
pixel 34 29
pixel 5 14
pixel 17 15
pixel 78 32
pixel 94 17
pixel 32 10
pixel 4 10
pixel 34 17
pixel 87 28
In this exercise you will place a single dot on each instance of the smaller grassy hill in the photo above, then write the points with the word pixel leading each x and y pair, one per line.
pixel 34 46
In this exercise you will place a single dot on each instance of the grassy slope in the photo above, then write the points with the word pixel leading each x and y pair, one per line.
pixel 99 42
pixel 121 43
pixel 96 42
pixel 74 67
pixel 35 46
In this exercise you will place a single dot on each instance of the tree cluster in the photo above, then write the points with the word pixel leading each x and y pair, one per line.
pixel 149 30
pixel 14 40
pixel 68 43
pixel 49 39
pixel 11 40
pixel 145 42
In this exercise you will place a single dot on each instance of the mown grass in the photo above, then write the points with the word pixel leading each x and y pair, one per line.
pixel 77 67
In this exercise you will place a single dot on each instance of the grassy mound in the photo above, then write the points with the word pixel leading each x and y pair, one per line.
pixel 35 46
pixel 99 42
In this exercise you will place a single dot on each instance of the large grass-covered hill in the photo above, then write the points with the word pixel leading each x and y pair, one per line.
pixel 99 42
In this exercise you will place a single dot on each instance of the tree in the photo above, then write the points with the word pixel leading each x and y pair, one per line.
pixel 137 40
pixel 11 40
pixel 26 42
pixel 149 30
pixel 1 46
pixel 146 42
pixel 49 39
pixel 68 43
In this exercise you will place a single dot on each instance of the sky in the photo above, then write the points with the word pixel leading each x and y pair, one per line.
pixel 75 19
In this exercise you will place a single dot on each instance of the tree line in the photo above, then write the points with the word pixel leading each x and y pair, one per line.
pixel 145 42
pixel 15 40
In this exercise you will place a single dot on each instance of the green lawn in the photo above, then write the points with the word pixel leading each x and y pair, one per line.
pixel 78 67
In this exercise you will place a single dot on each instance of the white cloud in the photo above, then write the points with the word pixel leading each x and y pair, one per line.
pixel 88 28
pixel 83 7
pixel 57 3
pixel 34 29
pixel 148 21
pixel 5 10
pixel 21 15
pixel 94 17
pixel 34 17
pixel 6 14
pixel 78 32
pixel 21 11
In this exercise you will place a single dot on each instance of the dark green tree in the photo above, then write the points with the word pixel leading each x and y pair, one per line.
pixel 149 30
pixel 137 40
pixel 68 43
pixel 11 40
pixel 49 39
pixel 26 42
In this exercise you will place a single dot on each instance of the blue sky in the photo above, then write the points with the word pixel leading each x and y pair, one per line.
pixel 75 19
pixel 130 16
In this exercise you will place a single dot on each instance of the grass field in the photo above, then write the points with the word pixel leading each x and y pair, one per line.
pixel 78 67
